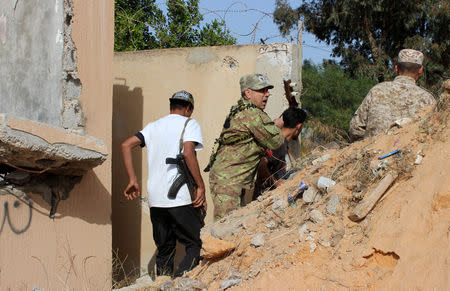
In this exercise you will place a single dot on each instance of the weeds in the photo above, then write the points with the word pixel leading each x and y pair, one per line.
pixel 120 276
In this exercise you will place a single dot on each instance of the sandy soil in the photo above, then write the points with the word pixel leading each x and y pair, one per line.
pixel 402 244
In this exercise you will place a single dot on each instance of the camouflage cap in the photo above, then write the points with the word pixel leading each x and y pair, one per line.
pixel 183 95
pixel 410 56
pixel 254 82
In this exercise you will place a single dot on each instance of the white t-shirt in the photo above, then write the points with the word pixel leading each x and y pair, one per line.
pixel 162 139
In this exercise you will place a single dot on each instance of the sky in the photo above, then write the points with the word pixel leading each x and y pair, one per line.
pixel 241 17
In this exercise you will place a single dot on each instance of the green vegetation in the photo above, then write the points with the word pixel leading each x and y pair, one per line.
pixel 140 25
pixel 368 34
pixel 332 95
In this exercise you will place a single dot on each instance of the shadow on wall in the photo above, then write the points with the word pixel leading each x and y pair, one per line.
pixel 126 215
pixel 90 206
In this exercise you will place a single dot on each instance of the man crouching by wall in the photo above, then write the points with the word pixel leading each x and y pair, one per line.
pixel 173 218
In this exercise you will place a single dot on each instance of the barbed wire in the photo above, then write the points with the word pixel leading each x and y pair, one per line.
pixel 222 15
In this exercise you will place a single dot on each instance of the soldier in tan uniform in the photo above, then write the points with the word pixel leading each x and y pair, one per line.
pixel 390 101
pixel 247 132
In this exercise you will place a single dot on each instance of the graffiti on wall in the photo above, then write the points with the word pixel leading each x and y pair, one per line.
pixel 9 212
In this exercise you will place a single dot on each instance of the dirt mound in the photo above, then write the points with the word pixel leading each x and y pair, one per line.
pixel 403 242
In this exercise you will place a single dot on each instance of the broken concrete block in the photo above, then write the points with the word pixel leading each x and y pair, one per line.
pixel 234 278
pixel 309 195
pixel 302 231
pixel 39 146
pixel 280 205
pixel 325 183
pixel 316 216
pixel 257 240
pixel 322 159
pixel 187 283
pixel 418 160
pixel 333 204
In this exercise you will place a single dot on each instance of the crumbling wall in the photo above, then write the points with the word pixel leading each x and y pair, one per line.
pixel 48 49
pixel 39 77
pixel 72 114
pixel 212 75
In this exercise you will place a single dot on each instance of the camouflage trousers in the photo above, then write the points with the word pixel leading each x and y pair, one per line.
pixel 225 199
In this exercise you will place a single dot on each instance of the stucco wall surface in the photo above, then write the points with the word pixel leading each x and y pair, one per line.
pixel 72 251
pixel 31 49
pixel 143 82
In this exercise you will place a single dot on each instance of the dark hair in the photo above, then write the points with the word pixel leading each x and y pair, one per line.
pixel 179 104
pixel 293 116
pixel 405 67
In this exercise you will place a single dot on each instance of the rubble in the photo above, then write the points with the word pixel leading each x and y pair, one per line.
pixel 325 183
pixel 333 204
pixel 316 240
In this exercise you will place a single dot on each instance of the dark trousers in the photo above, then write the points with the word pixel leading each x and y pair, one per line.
pixel 172 224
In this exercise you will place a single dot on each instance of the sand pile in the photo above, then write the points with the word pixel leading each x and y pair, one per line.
pixel 403 242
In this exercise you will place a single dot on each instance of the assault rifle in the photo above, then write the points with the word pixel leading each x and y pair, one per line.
pixel 185 177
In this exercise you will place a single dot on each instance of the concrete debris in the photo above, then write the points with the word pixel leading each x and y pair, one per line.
pixel 280 205
pixel 309 195
pixel 271 224
pixel 188 284
pixel 257 240
pixel 316 168
pixel 325 183
pixel 140 283
pixel 234 278
pixel 418 160
pixel 24 143
pixel 333 204
pixel 312 246
pixel 224 229
pixel 325 243
pixel 316 216
pixel 322 159
pixel 302 231
pixel 255 269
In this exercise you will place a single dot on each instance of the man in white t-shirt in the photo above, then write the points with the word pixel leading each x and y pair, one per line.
pixel 172 219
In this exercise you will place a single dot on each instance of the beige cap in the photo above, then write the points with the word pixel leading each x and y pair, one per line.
pixel 410 56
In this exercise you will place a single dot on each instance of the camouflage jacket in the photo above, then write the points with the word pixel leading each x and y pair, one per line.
pixel 387 102
pixel 236 164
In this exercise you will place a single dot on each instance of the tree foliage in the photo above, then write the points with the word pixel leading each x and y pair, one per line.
pixel 330 94
pixel 140 24
pixel 368 34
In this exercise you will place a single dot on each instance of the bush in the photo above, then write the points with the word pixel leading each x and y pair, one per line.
pixel 331 95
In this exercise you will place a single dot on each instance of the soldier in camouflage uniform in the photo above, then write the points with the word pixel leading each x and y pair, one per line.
pixel 247 133
pixel 390 101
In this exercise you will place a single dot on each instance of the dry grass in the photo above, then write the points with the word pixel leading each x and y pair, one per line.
pixel 317 134
pixel 120 276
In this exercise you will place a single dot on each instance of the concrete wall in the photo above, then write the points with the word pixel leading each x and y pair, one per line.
pixel 31 48
pixel 143 83
pixel 72 251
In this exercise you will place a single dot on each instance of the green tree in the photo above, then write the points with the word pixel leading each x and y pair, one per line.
pixel 140 24
pixel 335 102
pixel 368 34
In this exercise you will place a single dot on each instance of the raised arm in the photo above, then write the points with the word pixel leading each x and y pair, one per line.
pixel 132 190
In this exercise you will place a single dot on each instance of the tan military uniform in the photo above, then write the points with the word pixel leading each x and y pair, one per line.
pixel 235 165
pixel 387 102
